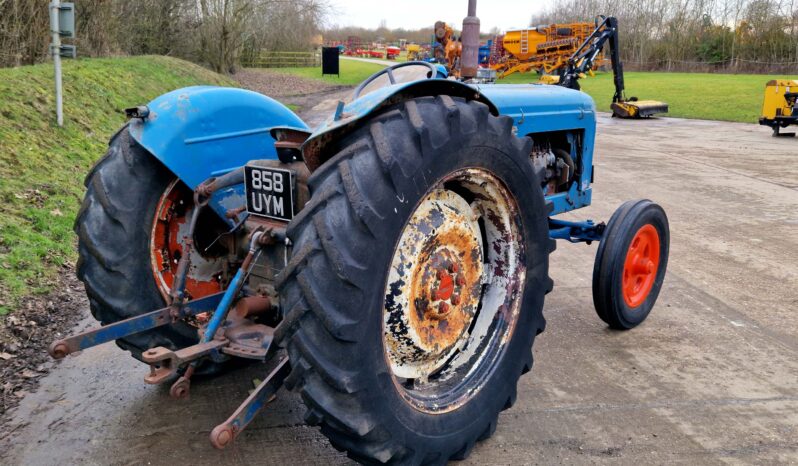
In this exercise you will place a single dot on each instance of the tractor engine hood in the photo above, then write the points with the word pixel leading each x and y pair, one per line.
pixel 552 107
pixel 538 101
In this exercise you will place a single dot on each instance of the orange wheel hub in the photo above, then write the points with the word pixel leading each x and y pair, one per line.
pixel 641 266
pixel 169 234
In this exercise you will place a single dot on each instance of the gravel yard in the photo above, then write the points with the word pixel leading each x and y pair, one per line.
pixel 276 84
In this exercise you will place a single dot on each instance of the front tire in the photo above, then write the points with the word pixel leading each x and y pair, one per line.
pixel 399 187
pixel 630 265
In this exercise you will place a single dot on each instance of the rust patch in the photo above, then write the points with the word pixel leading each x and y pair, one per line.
pixel 454 290
pixel 435 288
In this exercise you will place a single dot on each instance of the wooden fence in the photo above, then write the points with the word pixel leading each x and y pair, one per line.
pixel 281 59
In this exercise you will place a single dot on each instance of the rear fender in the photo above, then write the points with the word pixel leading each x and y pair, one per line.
pixel 321 144
pixel 205 131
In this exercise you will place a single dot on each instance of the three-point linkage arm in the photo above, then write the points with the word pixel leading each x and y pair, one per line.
pixel 584 58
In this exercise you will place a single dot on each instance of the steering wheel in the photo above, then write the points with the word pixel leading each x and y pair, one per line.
pixel 389 72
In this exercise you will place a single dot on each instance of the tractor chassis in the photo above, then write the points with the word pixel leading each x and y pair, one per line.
pixel 228 330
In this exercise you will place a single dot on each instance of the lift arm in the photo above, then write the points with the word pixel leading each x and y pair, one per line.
pixel 584 59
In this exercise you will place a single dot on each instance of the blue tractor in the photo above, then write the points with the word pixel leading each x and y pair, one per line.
pixel 389 265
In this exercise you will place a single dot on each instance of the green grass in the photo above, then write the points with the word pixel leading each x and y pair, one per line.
pixel 42 166
pixel 725 97
pixel 353 72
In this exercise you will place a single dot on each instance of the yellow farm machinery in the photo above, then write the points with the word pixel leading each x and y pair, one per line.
pixel 780 108
pixel 584 60
pixel 451 47
pixel 542 48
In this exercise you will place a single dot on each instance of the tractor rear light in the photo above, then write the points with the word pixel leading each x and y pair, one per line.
pixel 140 111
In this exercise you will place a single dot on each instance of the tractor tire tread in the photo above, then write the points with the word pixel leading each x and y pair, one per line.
pixel 315 327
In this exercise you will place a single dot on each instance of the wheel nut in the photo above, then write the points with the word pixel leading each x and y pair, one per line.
pixel 443 308
pixel 456 299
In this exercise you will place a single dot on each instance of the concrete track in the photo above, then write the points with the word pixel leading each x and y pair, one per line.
pixel 711 377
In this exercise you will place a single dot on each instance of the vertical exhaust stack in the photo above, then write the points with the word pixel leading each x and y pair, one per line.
pixel 469 60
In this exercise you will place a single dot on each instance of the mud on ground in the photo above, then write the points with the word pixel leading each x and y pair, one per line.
pixel 26 332
pixel 300 92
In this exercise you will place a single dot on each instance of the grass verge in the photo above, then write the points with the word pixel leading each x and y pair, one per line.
pixel 724 97
pixel 42 166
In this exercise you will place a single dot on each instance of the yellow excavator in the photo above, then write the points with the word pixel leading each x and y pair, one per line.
pixel 581 64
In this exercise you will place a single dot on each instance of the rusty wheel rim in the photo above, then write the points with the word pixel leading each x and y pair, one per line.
pixel 454 290
pixel 167 243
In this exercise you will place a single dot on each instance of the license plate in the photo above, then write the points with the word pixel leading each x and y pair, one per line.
pixel 270 192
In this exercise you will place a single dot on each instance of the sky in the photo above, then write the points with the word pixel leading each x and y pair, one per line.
pixel 415 14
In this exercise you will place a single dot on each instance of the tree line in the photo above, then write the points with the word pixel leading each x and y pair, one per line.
pixel 708 35
pixel 214 33
pixel 696 35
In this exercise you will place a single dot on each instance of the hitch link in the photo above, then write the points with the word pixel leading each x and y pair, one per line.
pixel 165 362
pixel 97 336
pixel 224 434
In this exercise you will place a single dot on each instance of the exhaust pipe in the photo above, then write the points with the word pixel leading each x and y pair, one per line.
pixel 469 60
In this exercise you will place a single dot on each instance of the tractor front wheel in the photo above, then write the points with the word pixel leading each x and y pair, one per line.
pixel 630 264
pixel 416 283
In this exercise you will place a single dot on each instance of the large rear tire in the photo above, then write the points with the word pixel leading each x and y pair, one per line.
pixel 114 228
pixel 378 218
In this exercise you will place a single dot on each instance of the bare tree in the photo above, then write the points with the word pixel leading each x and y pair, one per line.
pixel 23 32
pixel 711 35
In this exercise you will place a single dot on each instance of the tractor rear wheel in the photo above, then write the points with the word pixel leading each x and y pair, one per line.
pixel 130 229
pixel 630 266
pixel 416 284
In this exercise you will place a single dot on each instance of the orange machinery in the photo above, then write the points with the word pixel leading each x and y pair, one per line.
pixel 452 47
pixel 542 48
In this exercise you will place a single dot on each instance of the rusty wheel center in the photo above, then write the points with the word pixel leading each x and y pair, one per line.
pixel 445 285
pixel 168 238
pixel 450 301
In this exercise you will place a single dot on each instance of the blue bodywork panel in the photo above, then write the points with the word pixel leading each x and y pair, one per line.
pixel 348 117
pixel 540 108
pixel 204 131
